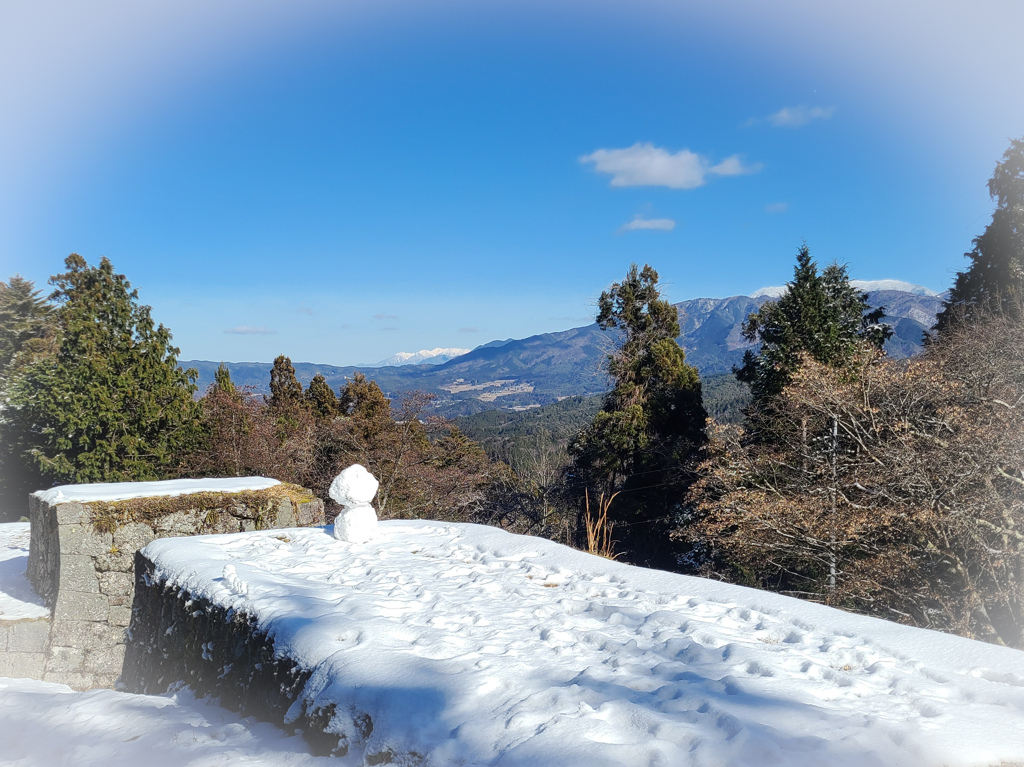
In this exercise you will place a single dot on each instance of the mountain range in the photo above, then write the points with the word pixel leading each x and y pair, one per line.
pixel 523 373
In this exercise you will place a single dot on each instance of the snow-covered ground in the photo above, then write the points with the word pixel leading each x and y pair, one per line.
pixel 472 646
pixel 50 725
pixel 475 647
pixel 17 598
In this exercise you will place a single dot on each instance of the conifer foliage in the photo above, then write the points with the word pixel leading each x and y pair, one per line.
pixel 285 389
pixel 650 423
pixel 26 324
pixel 994 282
pixel 820 315
pixel 112 403
pixel 320 398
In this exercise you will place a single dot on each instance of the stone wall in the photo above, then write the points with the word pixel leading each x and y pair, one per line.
pixel 177 637
pixel 23 647
pixel 82 555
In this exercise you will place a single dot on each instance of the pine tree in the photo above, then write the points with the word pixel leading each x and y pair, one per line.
pixel 994 282
pixel 112 403
pixel 650 423
pixel 321 398
pixel 820 315
pixel 26 325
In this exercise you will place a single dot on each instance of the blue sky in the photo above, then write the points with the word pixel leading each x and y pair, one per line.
pixel 342 181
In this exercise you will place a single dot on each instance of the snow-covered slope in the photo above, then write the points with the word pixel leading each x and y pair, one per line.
pixel 424 356
pixel 869 286
pixel 470 646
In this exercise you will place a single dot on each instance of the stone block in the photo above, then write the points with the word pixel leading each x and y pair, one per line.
pixel 72 514
pixel 84 634
pixel 5 631
pixel 106 661
pixel 115 561
pixel 65 659
pixel 311 513
pixel 285 514
pixel 120 615
pixel 22 665
pixel 73 679
pixel 180 523
pixel 29 636
pixel 75 606
pixel 82 539
pixel 116 584
pixel 78 573
pixel 133 537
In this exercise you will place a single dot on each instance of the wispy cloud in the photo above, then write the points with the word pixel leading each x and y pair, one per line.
pixel 794 117
pixel 382 316
pixel 305 310
pixel 472 329
pixel 659 224
pixel 390 328
pixel 248 330
pixel 777 207
pixel 648 165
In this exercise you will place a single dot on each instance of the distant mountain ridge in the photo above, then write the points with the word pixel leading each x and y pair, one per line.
pixel 523 373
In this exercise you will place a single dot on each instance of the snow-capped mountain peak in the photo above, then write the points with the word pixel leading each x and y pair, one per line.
pixel 424 356
pixel 869 286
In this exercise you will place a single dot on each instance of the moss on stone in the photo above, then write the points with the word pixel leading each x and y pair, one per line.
pixel 258 505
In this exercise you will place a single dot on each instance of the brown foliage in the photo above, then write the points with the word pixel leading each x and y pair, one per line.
pixel 892 488
pixel 426 467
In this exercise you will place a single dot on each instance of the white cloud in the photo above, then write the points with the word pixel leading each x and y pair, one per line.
pixel 777 207
pixel 648 165
pixel 662 224
pixel 796 117
pixel 248 330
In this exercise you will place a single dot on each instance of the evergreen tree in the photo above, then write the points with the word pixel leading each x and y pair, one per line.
pixel 222 379
pixel 285 389
pixel 820 315
pixel 26 324
pixel 650 422
pixel 112 403
pixel 321 398
pixel 994 282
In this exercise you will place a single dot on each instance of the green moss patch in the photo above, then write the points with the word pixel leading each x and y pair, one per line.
pixel 258 505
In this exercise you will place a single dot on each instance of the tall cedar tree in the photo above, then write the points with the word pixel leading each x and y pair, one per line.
pixel 321 398
pixel 994 282
pixel 112 403
pixel 651 422
pixel 819 315
pixel 285 389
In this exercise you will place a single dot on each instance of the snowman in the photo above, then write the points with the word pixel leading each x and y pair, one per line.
pixel 353 490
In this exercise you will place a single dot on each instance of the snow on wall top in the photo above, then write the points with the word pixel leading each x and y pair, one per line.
pixel 469 645
pixel 120 491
